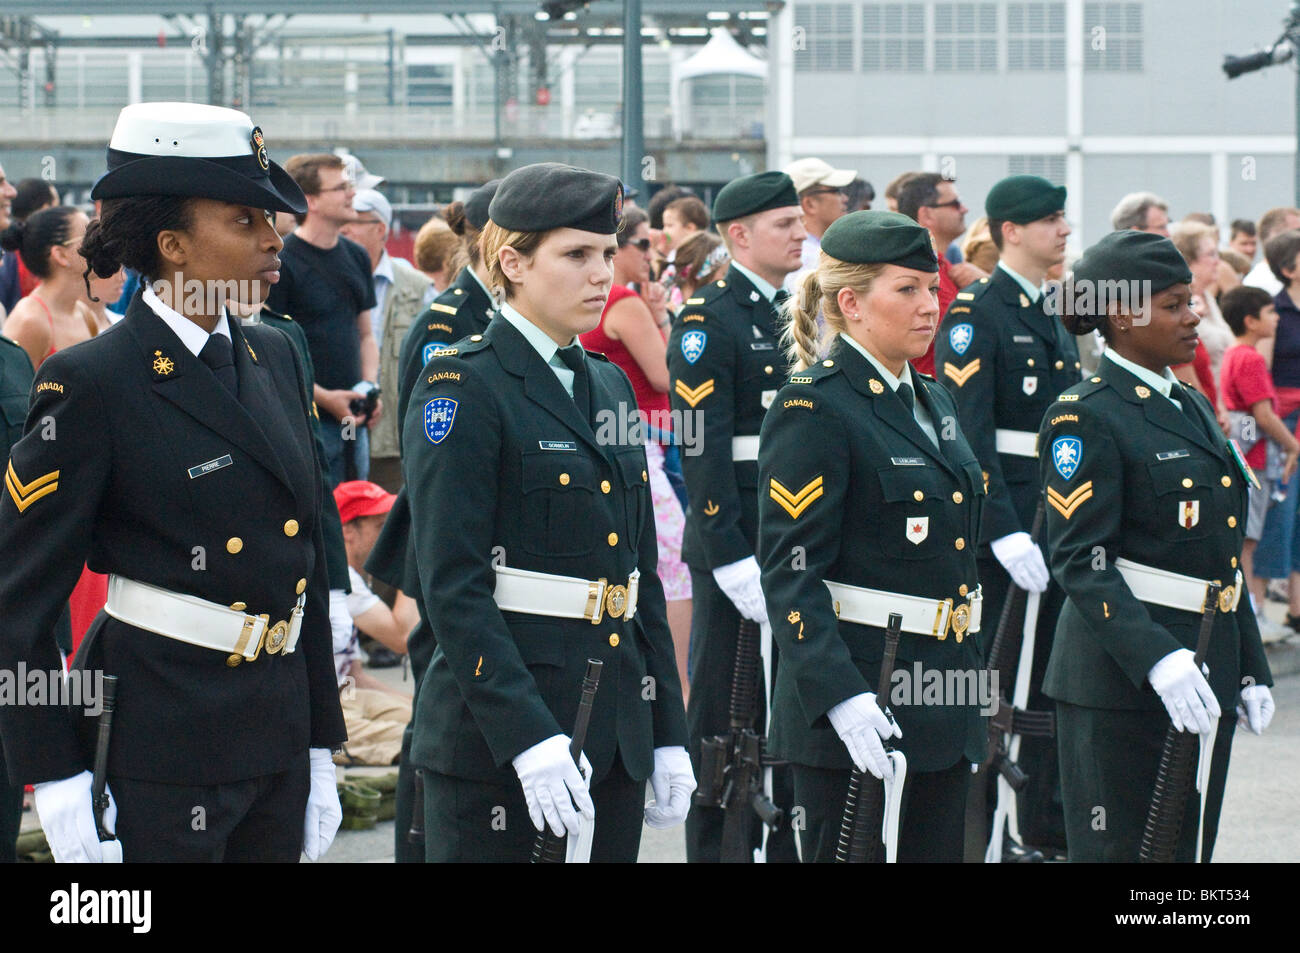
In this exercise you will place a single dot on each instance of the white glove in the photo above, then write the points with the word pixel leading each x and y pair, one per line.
pixel 340 621
pixel 68 819
pixel 1023 561
pixel 324 813
pixel 553 785
pixel 742 583
pixel 1256 708
pixel 672 781
pixel 1186 694
pixel 861 725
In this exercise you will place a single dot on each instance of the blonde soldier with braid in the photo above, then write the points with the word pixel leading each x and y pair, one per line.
pixel 869 503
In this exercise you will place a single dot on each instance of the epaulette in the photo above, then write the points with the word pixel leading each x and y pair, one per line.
pixel 706 296
pixel 818 372
pixel 11 342
pixel 1083 389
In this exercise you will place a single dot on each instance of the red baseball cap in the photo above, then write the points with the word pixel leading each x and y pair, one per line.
pixel 361 498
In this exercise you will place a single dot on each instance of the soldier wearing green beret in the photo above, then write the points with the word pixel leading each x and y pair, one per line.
pixel 1005 356
pixel 465 308
pixel 535 542
pixel 1146 502
pixel 725 365
pixel 864 471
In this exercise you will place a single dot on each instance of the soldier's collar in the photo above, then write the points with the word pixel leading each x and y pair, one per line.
pixel 767 290
pixel 1153 381
pixel 191 335
pixel 1028 287
pixel 891 381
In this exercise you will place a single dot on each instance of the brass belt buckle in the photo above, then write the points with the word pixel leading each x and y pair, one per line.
pixel 959 619
pixel 596 598
pixel 237 656
pixel 615 601
pixel 1226 595
pixel 276 637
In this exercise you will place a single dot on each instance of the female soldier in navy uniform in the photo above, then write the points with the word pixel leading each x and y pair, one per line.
pixel 868 488
pixel 534 537
pixel 1146 502
pixel 176 454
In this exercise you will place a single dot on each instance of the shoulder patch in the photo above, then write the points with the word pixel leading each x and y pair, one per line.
pixel 49 385
pixel 450 376
pixel 960 337
pixel 959 309
pixel 439 418
pixel 693 344
pixel 439 326
pixel 799 402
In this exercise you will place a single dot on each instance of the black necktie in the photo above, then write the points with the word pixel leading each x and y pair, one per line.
pixel 574 359
pixel 219 354
pixel 780 298
pixel 904 393
pixel 1182 394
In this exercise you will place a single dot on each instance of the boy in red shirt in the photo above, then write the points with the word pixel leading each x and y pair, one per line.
pixel 1247 389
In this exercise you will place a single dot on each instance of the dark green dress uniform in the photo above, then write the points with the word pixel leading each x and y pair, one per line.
pixel 15 386
pixel 160 474
pixel 725 366
pixel 504 469
pixel 1004 358
pixel 1128 475
pixel 460 311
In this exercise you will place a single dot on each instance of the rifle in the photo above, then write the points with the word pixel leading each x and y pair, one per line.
pixel 416 834
pixel 1177 762
pixel 1012 650
pixel 862 826
pixel 99 780
pixel 731 765
pixel 549 848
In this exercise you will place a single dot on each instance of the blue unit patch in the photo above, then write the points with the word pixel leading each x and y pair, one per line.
pixel 960 337
pixel 1066 454
pixel 429 349
pixel 439 417
pixel 693 345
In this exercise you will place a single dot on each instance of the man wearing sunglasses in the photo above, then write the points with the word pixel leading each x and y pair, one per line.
pixel 823 197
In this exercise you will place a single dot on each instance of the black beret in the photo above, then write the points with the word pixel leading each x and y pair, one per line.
pixel 476 206
pixel 751 194
pixel 1118 268
pixel 865 238
pixel 550 195
pixel 1023 199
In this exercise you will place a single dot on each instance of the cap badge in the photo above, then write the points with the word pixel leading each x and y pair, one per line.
pixel 259 148
pixel 618 206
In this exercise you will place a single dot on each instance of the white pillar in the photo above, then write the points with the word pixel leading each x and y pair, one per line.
pixel 780 80
pixel 1074 120
pixel 134 77
pixel 1219 193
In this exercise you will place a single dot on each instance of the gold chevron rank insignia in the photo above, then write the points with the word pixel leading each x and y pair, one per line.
pixel 694 395
pixel 25 494
pixel 1066 505
pixel 796 503
pixel 960 375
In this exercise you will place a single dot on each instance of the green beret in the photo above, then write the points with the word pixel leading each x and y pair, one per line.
pixel 1129 257
pixel 550 195
pixel 476 206
pixel 1023 199
pixel 754 193
pixel 865 238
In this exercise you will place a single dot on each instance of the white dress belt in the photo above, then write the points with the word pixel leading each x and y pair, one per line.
pixel 565 597
pixel 921 616
pixel 202 623
pixel 1173 590
pixel 1017 443
pixel 744 448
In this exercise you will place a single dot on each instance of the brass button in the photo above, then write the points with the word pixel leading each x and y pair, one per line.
pixel 604 486
pixel 1060 365
pixel 1234 562
pixel 234 660
pixel 1095 380
pixel 644 476
pixel 1077 365
pixel 290 527
pixel 1187 482
pixel 1232 521
pixel 1030 362
pixel 1226 480
pixel 957 498
pixel 613 539
pixel 234 545
pixel 239 606
pixel 828 363
pixel 301 587
pixel 476 338
pixel 613 639
pixel 767 369
pixel 960 543
pixel 564 479
pixel 962 590
pixel 918 495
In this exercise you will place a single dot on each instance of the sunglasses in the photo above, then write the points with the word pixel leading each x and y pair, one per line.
pixel 826 191
pixel 643 244
pixel 953 203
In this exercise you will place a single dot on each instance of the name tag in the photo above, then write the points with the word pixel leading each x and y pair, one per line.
pixel 558 445
pixel 205 468
pixel 908 461
pixel 762 346
pixel 1022 338
pixel 1173 455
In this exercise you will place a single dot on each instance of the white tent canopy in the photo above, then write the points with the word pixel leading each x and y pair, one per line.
pixel 721 56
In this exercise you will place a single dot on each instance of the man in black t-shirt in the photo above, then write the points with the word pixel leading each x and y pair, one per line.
pixel 325 286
